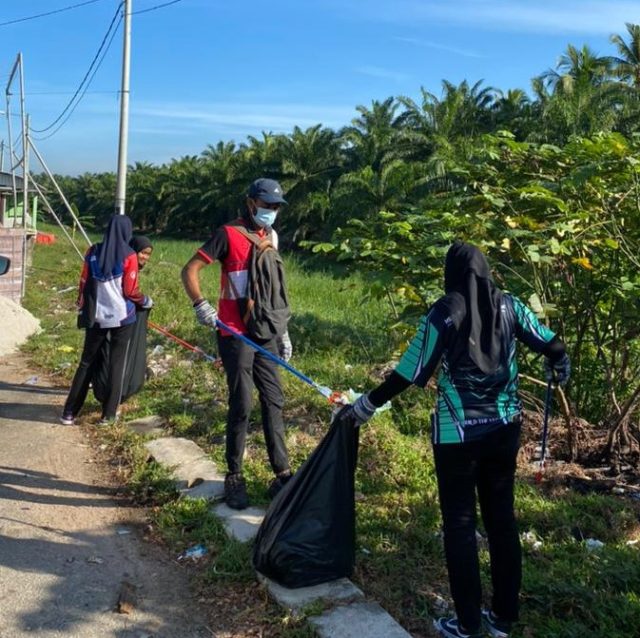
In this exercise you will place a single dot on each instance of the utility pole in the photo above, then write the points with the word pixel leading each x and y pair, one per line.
pixel 121 187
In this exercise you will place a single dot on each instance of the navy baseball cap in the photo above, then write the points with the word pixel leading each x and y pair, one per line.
pixel 268 190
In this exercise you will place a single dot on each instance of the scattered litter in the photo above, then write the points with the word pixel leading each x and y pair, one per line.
pixel 69 289
pixel 631 543
pixel 618 490
pixel 65 349
pixel 158 350
pixel 440 605
pixel 103 446
pixel 123 532
pixel 195 552
pixel 532 540
pixel 95 560
pixel 31 381
pixel 593 544
pixel 127 598
pixel 366 551
pixel 348 366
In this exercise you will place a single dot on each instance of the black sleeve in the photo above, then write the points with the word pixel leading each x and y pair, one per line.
pixel 217 247
pixel 393 385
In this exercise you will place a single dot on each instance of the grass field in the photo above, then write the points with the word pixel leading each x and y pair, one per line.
pixel 342 338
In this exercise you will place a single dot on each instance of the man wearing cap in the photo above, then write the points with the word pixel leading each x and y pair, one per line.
pixel 243 365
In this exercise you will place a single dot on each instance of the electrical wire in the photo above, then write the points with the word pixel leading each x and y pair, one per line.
pixel 158 6
pixel 49 13
pixel 66 119
pixel 91 66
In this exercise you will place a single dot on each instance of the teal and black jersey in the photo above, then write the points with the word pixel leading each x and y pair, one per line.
pixel 470 402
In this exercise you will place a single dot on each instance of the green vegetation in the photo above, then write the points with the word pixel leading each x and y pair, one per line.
pixel 342 333
pixel 548 184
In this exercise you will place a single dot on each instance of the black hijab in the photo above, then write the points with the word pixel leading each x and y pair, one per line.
pixel 114 247
pixel 467 272
pixel 140 242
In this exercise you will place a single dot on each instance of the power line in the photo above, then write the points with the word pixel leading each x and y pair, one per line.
pixel 49 13
pixel 91 66
pixel 158 6
pixel 66 119
pixel 30 93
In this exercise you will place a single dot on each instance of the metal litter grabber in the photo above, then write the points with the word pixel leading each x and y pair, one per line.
pixel 545 430
pixel 332 397
pixel 184 343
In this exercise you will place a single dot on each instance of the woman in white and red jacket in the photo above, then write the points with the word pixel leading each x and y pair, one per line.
pixel 107 302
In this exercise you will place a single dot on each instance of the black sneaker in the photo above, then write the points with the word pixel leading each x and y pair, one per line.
pixel 495 627
pixel 235 491
pixel 449 628
pixel 277 484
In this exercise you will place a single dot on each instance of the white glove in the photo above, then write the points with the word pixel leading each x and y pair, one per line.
pixel 285 347
pixel 360 411
pixel 147 304
pixel 205 313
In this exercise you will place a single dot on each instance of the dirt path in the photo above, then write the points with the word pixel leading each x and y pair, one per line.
pixel 66 543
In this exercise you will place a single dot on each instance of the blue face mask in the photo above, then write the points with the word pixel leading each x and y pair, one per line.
pixel 265 217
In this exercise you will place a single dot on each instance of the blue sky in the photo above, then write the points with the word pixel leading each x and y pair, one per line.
pixel 210 70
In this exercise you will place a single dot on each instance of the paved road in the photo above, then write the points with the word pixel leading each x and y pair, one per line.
pixel 66 544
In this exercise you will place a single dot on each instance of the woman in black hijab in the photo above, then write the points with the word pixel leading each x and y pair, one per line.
pixel 143 248
pixel 107 302
pixel 471 332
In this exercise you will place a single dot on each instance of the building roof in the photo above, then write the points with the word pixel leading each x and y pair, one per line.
pixel 6 184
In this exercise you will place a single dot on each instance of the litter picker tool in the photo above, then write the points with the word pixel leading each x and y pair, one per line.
pixel 333 397
pixel 545 430
pixel 183 343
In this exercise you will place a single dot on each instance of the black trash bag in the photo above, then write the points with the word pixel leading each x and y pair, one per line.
pixel 308 535
pixel 135 371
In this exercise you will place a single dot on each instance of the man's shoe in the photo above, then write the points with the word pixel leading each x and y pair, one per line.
pixel 67 418
pixel 277 484
pixel 449 628
pixel 235 491
pixel 495 627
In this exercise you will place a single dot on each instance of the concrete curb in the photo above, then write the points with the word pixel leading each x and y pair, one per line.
pixel 348 614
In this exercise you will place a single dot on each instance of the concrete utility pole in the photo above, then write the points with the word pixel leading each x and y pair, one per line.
pixel 121 187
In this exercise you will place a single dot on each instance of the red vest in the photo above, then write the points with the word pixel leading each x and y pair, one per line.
pixel 233 280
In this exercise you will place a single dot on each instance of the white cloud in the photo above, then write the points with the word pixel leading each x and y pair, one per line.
pixel 542 16
pixel 385 74
pixel 242 119
pixel 419 42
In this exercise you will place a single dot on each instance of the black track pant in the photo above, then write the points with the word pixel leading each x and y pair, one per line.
pixel 94 338
pixel 487 466
pixel 244 367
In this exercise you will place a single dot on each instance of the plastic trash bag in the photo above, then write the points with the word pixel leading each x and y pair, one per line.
pixel 308 534
pixel 135 371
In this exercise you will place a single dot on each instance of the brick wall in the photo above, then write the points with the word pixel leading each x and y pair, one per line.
pixel 11 245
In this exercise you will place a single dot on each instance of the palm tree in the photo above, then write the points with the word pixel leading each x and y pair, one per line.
pixel 311 161
pixel 582 98
pixel 513 111
pixel 371 135
pixel 627 64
